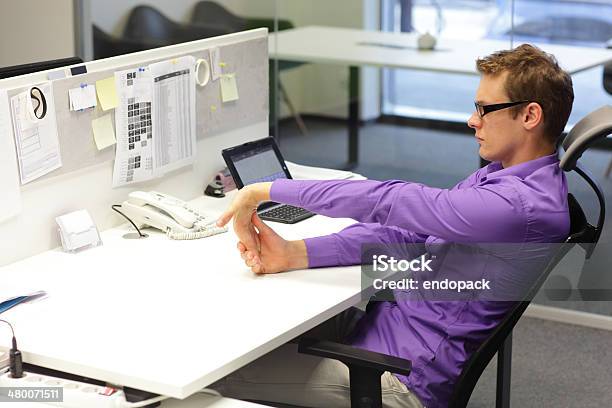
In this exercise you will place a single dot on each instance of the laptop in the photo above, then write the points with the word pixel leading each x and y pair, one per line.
pixel 261 161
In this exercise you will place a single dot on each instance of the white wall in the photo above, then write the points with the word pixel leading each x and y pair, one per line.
pixel 36 30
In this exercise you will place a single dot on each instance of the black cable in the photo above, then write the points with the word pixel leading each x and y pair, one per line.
pixel 127 218
pixel 15 357
pixel 10 325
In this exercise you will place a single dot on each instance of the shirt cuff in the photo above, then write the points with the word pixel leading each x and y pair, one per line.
pixel 286 191
pixel 322 251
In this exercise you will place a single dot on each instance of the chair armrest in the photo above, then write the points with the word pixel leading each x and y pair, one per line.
pixel 352 356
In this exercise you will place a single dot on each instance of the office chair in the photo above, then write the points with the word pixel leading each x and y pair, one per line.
pixel 151 27
pixel 210 13
pixel 106 45
pixel 366 367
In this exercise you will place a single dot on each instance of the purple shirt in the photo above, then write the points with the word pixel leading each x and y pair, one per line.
pixel 525 203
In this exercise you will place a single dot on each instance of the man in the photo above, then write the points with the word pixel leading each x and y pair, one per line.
pixel 522 105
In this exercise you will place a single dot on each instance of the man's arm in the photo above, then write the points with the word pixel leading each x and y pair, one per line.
pixel 489 213
pixel 344 247
pixel 276 254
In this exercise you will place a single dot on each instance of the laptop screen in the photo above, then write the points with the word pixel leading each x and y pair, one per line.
pixel 256 162
pixel 258 165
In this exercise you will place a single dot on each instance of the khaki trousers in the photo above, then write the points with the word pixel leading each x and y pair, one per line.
pixel 285 376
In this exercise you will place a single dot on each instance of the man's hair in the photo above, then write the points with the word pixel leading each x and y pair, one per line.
pixel 534 76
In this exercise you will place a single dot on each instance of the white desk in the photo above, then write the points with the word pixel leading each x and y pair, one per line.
pixel 344 46
pixel 169 317
pixel 352 47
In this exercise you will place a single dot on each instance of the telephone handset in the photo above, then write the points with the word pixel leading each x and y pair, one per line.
pixel 168 214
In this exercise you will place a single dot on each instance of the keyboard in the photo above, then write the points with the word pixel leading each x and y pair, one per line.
pixel 286 214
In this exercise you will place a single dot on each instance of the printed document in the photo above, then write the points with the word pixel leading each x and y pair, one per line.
pixel 35 130
pixel 10 204
pixel 133 127
pixel 174 123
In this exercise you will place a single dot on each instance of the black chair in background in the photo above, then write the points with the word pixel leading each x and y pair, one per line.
pixel 367 367
pixel 211 14
pixel 106 45
pixel 150 26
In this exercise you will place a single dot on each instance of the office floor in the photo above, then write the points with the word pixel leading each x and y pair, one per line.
pixel 441 159
pixel 554 365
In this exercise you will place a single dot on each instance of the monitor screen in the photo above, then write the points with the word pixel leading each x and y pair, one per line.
pixel 258 165
pixel 8 72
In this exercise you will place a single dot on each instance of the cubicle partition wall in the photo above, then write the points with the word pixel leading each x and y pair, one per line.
pixel 85 179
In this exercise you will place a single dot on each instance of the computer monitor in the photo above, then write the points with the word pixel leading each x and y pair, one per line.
pixel 29 68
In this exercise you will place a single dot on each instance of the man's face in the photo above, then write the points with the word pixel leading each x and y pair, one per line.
pixel 497 133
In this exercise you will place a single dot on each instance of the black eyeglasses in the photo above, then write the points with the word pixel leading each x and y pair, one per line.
pixel 484 109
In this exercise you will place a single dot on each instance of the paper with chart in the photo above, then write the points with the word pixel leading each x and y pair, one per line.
pixel 174 123
pixel 133 127
pixel 35 130
pixel 10 204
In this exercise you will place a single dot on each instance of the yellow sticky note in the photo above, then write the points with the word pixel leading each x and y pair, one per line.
pixel 104 131
pixel 229 90
pixel 107 93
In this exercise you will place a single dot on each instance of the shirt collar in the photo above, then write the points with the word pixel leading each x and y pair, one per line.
pixel 521 170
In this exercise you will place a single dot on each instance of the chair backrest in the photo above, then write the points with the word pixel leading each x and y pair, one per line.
pixel 207 13
pixel 594 126
pixel 150 26
pixel 148 23
pixel 106 45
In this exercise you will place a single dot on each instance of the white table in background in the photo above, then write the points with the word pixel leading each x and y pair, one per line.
pixel 354 48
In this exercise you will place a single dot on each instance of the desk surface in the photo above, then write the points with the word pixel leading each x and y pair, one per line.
pixel 342 46
pixel 169 317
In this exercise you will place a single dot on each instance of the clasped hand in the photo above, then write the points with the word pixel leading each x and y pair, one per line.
pixel 262 249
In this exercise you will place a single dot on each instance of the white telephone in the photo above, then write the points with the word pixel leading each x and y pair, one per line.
pixel 168 214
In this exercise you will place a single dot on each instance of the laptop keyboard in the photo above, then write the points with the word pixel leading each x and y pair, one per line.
pixel 286 212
